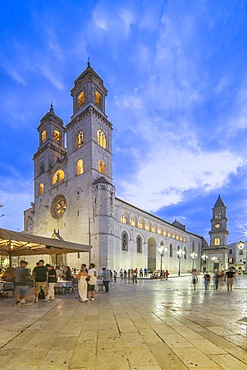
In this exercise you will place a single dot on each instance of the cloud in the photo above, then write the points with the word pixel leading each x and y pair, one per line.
pixel 169 172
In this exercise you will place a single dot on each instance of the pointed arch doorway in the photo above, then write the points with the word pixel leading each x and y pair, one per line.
pixel 151 254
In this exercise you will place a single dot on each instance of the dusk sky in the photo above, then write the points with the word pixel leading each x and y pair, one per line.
pixel 176 74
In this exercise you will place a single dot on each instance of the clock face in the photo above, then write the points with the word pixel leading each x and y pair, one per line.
pixel 217 226
pixel 58 206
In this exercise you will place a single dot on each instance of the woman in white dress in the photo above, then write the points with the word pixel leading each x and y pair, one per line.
pixel 82 285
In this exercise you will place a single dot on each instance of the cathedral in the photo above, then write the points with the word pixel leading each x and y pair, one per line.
pixel 75 199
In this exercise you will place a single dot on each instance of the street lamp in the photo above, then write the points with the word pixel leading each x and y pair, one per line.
pixel 204 258
pixel 193 255
pixel 162 251
pixel 180 253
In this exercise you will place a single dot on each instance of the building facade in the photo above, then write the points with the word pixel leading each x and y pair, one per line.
pixel 74 193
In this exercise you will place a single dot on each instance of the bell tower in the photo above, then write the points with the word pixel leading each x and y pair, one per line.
pixel 89 133
pixel 219 232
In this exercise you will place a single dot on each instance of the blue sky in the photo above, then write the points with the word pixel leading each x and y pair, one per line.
pixel 176 75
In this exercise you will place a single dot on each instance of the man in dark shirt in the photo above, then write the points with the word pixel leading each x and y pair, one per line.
pixel 230 274
pixel 40 276
pixel 21 283
pixel 52 279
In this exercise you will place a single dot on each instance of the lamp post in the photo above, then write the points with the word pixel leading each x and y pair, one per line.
pixel 204 258
pixel 180 253
pixel 162 251
pixel 241 246
pixel 193 255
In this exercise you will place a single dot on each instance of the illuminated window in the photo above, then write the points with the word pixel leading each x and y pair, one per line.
pixel 140 224
pixel 171 250
pixel 147 227
pixel 97 98
pixel 164 232
pixel 153 229
pixel 185 240
pixel 79 167
pixel 57 136
pixel 101 166
pixel 57 177
pixel 216 241
pixel 159 230
pixel 123 219
pixel 124 241
pixel 43 136
pixel 139 244
pixel 101 138
pixel 41 188
pixel 81 99
pixel 181 238
pixel 173 235
pixel 79 139
pixel 132 222
pixel 177 237
pixel 169 234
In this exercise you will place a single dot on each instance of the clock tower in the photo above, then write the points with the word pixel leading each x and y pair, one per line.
pixel 215 257
pixel 219 232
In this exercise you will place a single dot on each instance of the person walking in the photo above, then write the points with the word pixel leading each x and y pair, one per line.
pixel 166 274
pixel 207 278
pixel 92 277
pixel 22 275
pixel 40 276
pixel 115 276
pixel 82 284
pixel 230 274
pixel 52 279
pixel 106 278
pixel 216 277
pixel 134 276
pixel 194 274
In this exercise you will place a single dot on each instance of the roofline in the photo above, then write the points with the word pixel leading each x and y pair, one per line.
pixel 158 218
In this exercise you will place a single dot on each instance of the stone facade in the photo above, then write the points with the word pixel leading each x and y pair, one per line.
pixel 74 195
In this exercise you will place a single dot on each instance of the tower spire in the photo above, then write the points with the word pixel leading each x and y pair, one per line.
pixel 51 108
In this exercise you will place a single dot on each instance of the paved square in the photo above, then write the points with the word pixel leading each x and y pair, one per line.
pixel 148 326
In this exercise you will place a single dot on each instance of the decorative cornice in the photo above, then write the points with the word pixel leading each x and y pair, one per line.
pixel 87 112
pixel 48 146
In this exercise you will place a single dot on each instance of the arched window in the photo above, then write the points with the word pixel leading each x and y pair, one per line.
pixel 123 219
pixel 43 136
pixel 101 166
pixel 97 98
pixel 81 99
pixel 124 241
pixel 29 225
pixel 171 250
pixel 132 221
pixel 41 188
pixel 241 252
pixel 230 251
pixel 193 246
pixel 216 241
pixel 153 228
pixel 79 167
pixel 147 226
pixel 79 139
pixel 57 136
pixel 159 230
pixel 140 223
pixel 139 244
pixel 101 139
pixel 41 168
pixel 57 177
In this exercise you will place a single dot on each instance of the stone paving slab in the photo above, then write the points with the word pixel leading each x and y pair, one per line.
pixel 150 325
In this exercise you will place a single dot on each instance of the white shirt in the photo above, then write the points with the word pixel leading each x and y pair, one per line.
pixel 93 275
